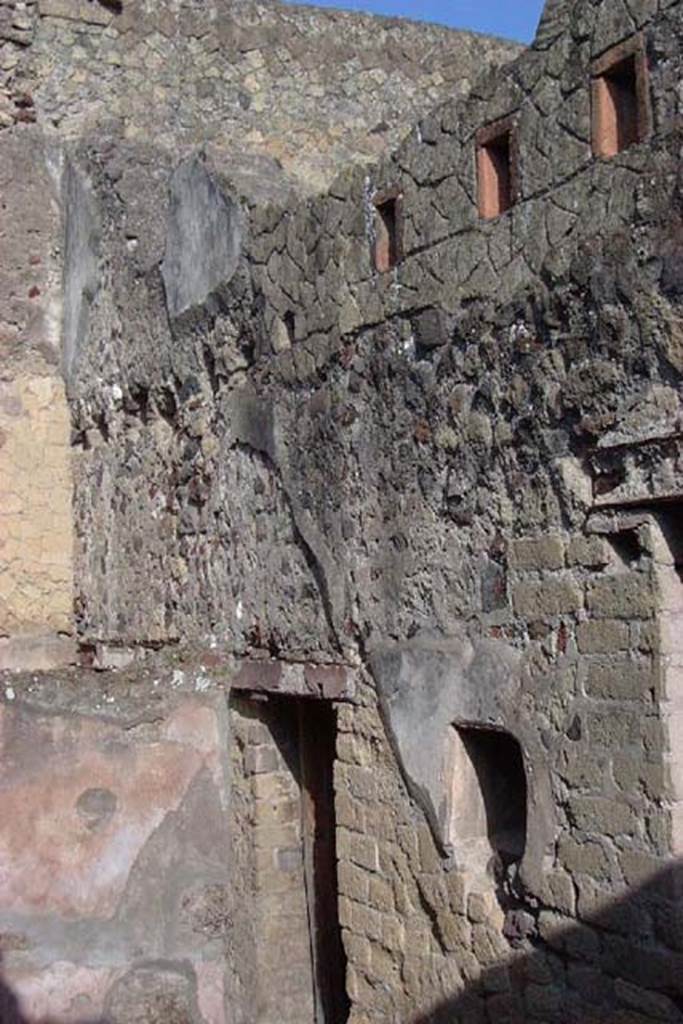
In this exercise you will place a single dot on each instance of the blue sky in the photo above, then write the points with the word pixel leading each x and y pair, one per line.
pixel 516 19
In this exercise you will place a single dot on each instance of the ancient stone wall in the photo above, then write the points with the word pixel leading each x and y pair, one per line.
pixel 36 484
pixel 440 447
pixel 286 95
pixel 454 484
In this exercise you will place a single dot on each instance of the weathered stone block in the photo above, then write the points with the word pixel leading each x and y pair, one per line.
pixel 357 948
pixel 589 552
pixel 261 760
pixel 599 814
pixel 588 858
pixel 620 680
pixel 393 932
pixel 365 921
pixel 627 596
pixel 537 553
pixel 358 848
pixel 547 598
pixel 615 728
pixel 602 636
pixel 353 881
pixel 381 894
pixel 639 867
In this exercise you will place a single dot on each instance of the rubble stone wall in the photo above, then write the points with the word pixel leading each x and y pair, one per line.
pixel 426 455
pixel 458 480
pixel 286 94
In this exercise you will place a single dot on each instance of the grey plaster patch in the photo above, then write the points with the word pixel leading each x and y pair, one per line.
pixel 204 235
pixel 81 274
pixel 429 684
pixel 96 806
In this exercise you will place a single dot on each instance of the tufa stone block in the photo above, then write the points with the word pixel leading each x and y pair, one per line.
pixel 536 553
pixel 548 598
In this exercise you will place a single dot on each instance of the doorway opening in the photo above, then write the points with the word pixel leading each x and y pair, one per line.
pixel 301 966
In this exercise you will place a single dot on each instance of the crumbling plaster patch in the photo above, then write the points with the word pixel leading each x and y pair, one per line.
pixel 429 684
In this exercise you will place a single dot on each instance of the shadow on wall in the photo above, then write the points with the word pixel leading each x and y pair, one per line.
pixel 624 965
pixel 10 1011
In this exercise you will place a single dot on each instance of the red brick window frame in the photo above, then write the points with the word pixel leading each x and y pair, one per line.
pixel 497 155
pixel 388 227
pixel 620 98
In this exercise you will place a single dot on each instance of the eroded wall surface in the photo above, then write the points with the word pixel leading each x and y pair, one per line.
pixel 121 875
pixel 285 94
pixel 428 464
pixel 36 527
pixel 457 482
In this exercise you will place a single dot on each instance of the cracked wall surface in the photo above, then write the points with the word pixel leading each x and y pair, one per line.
pixel 453 489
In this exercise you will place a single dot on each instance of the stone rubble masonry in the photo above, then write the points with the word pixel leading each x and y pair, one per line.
pixel 305 91
pixel 462 458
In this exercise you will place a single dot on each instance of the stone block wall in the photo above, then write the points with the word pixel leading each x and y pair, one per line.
pixel 446 478
pixel 36 483
pixel 283 970
pixel 298 91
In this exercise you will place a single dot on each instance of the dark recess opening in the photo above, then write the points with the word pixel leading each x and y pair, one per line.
pixel 626 545
pixel 495 175
pixel 290 325
pixel 305 732
pixel 317 744
pixel 498 765
pixel 388 249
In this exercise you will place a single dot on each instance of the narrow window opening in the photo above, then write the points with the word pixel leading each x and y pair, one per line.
pixel 495 170
pixel 488 798
pixel 290 325
pixel 620 116
pixel 388 229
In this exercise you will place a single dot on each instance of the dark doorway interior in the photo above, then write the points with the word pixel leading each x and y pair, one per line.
pixel 303 737
pixel 317 738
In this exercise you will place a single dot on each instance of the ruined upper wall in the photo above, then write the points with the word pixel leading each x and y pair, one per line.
pixel 286 94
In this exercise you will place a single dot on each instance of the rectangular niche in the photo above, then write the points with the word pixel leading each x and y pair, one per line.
pixel 488 797
pixel 388 226
pixel 497 171
pixel 620 101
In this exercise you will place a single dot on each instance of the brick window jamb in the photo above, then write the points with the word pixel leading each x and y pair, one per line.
pixel 497 159
pixel 388 240
pixel 620 98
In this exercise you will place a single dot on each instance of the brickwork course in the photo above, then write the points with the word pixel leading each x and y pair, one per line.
pixel 341 370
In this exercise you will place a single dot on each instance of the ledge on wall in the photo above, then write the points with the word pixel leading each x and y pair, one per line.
pixel 94 12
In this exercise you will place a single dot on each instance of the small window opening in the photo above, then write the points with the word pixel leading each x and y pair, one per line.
pixel 488 798
pixel 495 169
pixel 388 229
pixel 626 545
pixel 290 325
pixel 619 101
